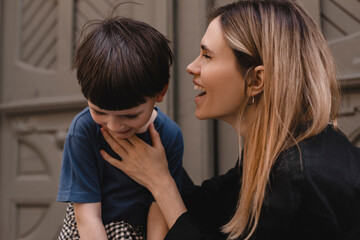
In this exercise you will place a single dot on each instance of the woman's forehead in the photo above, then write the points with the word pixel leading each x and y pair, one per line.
pixel 213 37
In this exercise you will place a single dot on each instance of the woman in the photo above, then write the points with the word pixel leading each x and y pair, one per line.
pixel 264 68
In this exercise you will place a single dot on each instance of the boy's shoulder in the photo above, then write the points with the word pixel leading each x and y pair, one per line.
pixel 82 124
pixel 164 121
pixel 166 127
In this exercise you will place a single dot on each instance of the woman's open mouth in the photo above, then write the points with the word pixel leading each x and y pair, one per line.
pixel 201 89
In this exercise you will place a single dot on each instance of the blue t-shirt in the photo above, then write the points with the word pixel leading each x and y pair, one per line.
pixel 86 177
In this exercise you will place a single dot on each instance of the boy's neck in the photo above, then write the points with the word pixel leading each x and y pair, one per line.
pixel 152 119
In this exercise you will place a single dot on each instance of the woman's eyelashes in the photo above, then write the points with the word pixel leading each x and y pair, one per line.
pixel 206 56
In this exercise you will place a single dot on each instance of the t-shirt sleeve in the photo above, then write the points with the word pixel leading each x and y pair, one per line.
pixel 214 202
pixel 79 177
pixel 186 227
pixel 209 206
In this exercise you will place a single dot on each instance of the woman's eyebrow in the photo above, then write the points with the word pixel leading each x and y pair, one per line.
pixel 205 48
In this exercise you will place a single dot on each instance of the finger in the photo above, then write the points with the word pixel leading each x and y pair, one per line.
pixel 134 139
pixel 122 141
pixel 155 137
pixel 116 163
pixel 118 147
pixel 107 135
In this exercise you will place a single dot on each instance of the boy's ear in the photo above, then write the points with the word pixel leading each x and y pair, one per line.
pixel 256 86
pixel 160 96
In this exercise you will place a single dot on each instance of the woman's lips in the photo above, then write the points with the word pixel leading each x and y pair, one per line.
pixel 202 90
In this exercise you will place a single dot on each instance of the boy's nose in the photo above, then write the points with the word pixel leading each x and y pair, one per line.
pixel 116 126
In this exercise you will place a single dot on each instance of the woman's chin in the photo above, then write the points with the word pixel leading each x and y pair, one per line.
pixel 198 116
pixel 201 116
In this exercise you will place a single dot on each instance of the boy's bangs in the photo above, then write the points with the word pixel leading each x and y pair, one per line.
pixel 111 96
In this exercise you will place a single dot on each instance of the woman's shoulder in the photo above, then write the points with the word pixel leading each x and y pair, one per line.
pixel 330 151
pixel 327 161
pixel 330 148
pixel 325 167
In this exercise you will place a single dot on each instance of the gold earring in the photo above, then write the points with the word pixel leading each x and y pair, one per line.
pixel 252 100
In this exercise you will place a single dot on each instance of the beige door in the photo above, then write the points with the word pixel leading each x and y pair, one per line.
pixel 38 99
pixel 340 21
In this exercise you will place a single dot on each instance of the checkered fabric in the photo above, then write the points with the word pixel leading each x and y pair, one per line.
pixel 115 230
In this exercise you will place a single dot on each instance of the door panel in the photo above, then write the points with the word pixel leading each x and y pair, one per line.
pixel 39 96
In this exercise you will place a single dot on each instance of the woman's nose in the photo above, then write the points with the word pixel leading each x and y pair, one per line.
pixel 193 68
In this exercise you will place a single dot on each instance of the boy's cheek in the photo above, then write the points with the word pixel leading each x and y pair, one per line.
pixel 97 120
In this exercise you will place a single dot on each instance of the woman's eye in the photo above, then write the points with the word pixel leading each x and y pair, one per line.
pixel 206 56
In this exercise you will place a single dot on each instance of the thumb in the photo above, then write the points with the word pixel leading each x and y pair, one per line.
pixel 155 137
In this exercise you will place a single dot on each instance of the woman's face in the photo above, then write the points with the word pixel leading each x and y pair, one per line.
pixel 217 76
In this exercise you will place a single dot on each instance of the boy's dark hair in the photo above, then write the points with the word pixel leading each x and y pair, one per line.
pixel 121 62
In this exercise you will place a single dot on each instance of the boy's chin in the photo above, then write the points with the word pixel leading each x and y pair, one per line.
pixel 125 134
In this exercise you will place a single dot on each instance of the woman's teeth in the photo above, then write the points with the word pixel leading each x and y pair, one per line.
pixel 198 88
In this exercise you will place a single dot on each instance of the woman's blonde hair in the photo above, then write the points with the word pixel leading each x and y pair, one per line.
pixel 300 96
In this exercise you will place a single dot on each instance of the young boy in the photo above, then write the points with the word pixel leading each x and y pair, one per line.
pixel 123 70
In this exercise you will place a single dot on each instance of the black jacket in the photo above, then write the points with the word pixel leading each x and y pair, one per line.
pixel 316 196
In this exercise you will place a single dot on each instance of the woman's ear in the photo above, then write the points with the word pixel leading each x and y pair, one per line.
pixel 256 86
pixel 160 96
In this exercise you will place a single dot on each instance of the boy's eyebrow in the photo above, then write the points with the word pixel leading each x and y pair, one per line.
pixel 134 113
pixel 127 114
pixel 93 108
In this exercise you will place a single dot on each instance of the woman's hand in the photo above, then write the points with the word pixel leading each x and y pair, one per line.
pixel 146 164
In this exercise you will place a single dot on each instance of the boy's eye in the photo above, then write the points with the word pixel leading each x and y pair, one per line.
pixel 131 116
pixel 98 113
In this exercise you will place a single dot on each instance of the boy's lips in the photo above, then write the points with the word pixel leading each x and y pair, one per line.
pixel 123 132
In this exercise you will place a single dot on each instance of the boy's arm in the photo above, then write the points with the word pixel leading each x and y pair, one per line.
pixel 89 222
pixel 156 224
